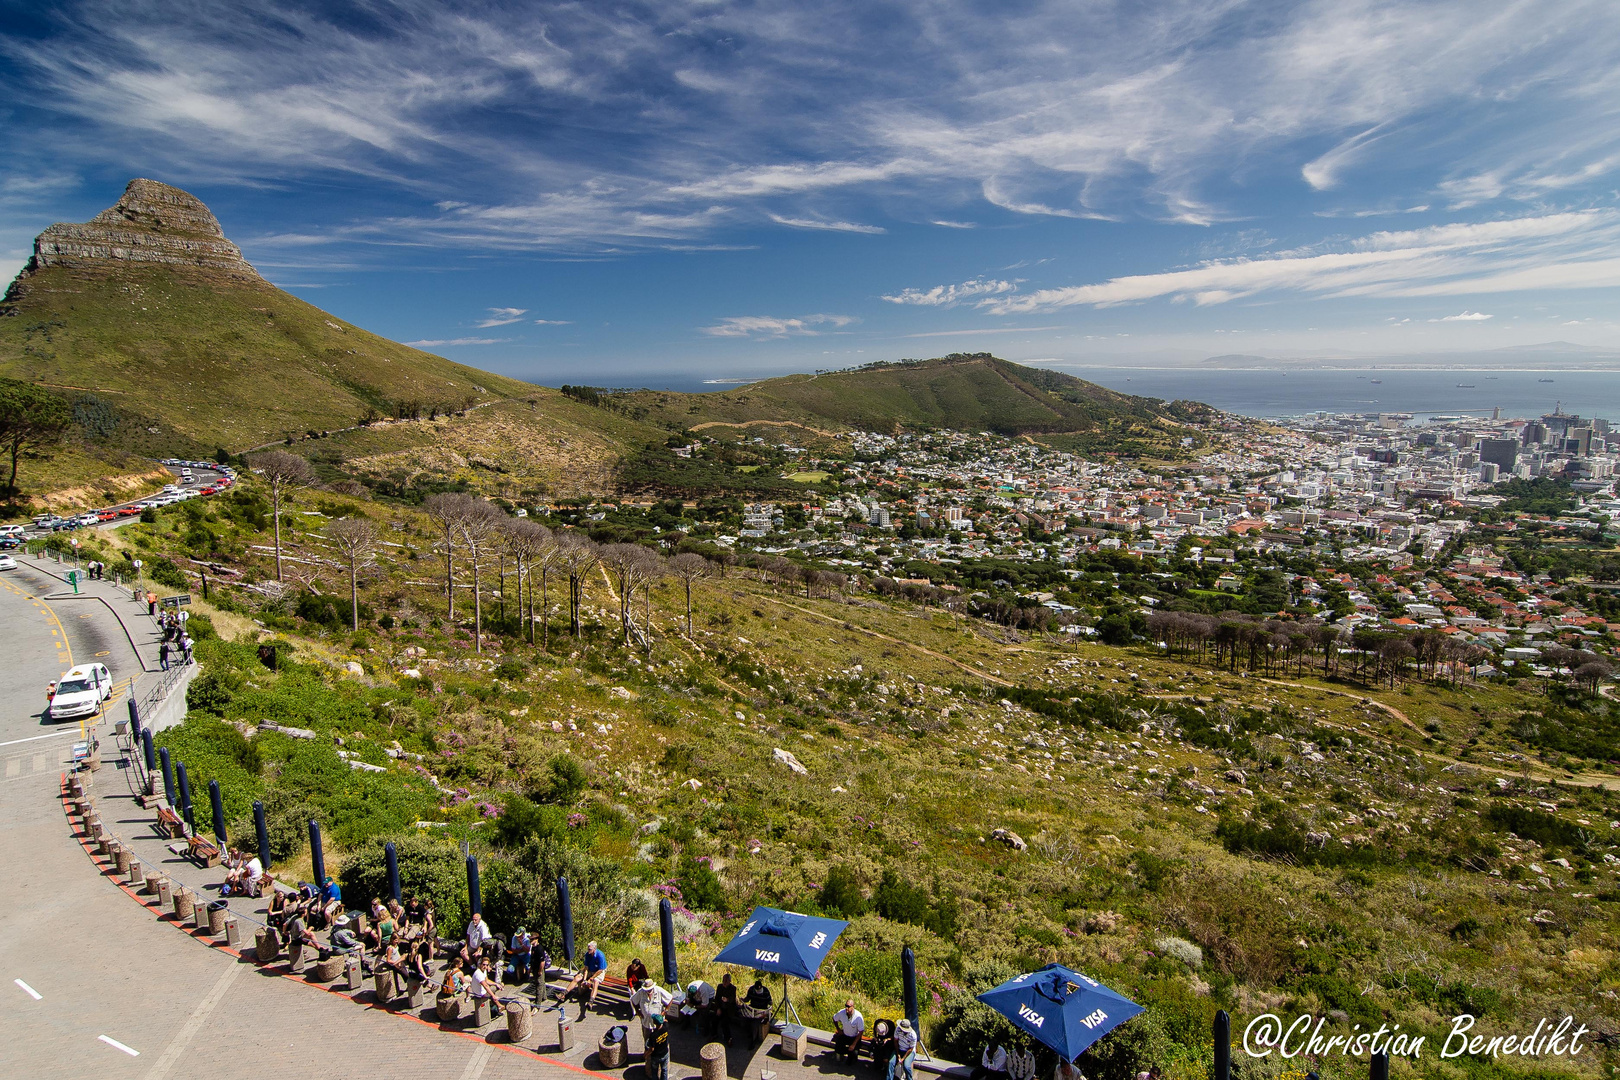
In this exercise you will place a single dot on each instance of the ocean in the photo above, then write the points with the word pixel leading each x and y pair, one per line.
pixel 1423 393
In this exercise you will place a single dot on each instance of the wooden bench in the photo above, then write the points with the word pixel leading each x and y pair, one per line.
pixel 169 824
pixel 205 851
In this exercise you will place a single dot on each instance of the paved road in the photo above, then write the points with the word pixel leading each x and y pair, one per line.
pixel 202 477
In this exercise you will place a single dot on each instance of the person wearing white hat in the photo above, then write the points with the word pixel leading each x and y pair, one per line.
pixel 905 1051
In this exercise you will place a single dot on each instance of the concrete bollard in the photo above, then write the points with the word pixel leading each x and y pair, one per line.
pixel 713 1056
pixel 382 982
pixel 449 1007
pixel 519 1024
pixel 108 844
pixel 413 993
pixel 565 1033
pixel 268 943
pixel 98 835
pixel 183 904
pixel 216 916
pixel 163 890
pixel 137 874
pixel 121 859
pixel 199 912
pixel 328 969
pixel 233 934
pixel 354 974
pixel 483 1012
pixel 150 886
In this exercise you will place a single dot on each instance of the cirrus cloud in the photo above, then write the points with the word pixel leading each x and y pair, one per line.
pixel 951 295
pixel 770 326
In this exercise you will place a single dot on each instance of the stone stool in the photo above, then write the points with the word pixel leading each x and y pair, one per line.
pixel 519 1024
pixel 713 1056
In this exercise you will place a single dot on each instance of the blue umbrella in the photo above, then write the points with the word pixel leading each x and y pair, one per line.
pixel 1061 1008
pixel 782 942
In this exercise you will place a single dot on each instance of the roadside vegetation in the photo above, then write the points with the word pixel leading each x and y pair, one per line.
pixel 1196 835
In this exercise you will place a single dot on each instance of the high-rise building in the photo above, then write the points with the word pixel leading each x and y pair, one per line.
pixel 1503 453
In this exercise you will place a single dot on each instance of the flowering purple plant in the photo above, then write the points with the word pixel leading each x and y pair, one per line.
pixel 576 819
pixel 489 810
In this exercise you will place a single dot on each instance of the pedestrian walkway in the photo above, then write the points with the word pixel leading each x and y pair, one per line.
pixel 122 816
pixel 154 689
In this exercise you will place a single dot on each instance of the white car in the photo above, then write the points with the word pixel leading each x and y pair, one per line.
pixel 12 530
pixel 7 562
pixel 81 692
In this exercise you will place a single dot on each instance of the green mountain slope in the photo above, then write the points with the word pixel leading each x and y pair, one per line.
pixel 153 314
pixel 976 392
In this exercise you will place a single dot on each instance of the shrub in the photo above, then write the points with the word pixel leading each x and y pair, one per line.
pixel 966 1023
pixel 841 893
pixel 522 819
pixel 700 885
pixel 1181 949
pixel 209 693
pixel 430 866
pixel 875 974
pixel 561 782
pixel 164 572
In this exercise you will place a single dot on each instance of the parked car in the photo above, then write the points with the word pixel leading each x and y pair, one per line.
pixel 7 562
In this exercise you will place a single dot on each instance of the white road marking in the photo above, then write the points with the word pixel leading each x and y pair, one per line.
pixel 480 1058
pixel 35 738
pixel 116 1045
pixel 194 1023
pixel 29 990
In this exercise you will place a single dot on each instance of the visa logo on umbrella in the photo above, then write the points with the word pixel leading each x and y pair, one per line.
pixel 1094 1019
pixel 768 957
pixel 1029 1015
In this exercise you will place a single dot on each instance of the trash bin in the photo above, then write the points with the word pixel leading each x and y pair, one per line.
pixel 565 1033
pixel 216 915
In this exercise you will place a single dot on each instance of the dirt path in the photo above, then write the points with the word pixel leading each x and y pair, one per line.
pixel 1374 702
pixel 764 423
pixel 985 675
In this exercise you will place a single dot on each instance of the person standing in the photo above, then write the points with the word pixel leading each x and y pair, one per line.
pixel 725 1007
pixel 656 1062
pixel 518 954
pixel 1021 1063
pixel 477 934
pixel 151 603
pixel 163 654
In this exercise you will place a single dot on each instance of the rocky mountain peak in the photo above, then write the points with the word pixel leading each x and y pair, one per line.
pixel 152 224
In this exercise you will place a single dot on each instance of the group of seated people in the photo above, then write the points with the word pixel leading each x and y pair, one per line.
pixel 1016 1061
pixel 717 1008
pixel 318 907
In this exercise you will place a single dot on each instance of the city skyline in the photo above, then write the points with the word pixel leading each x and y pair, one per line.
pixel 562 193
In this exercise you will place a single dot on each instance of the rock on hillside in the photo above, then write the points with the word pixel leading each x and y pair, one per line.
pixel 153 224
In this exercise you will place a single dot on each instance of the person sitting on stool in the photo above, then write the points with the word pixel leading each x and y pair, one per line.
pixel 851 1027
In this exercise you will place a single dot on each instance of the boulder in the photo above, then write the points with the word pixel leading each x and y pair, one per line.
pixel 786 758
pixel 1009 838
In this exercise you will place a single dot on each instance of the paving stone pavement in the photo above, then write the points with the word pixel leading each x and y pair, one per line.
pixel 191 1006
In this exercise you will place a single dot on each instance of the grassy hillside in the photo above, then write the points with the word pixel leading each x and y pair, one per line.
pixel 220 362
pixel 976 392
pixel 1175 815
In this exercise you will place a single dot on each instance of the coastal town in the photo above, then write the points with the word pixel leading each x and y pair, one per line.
pixel 1365 521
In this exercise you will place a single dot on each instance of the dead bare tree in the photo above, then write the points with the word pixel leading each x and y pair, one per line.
pixel 356 541
pixel 284 472
pixel 688 568
pixel 477 530
pixel 525 541
pixel 624 562
pixel 578 557
pixel 448 510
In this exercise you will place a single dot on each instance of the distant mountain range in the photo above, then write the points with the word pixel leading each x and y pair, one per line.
pixel 166 341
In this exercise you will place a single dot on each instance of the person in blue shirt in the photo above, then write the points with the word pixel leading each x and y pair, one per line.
pixel 593 974
pixel 331 899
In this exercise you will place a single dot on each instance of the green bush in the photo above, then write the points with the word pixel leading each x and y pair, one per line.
pixel 700 886
pixel 209 693
pixel 841 893
pixel 430 866
pixel 522 819
pixel 876 974
pixel 164 572
pixel 966 1023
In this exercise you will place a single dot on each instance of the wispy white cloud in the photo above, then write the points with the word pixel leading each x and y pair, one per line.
pixel 829 226
pixel 951 295
pixel 769 326
pixel 433 343
pixel 554 322
pixel 1570 250
pixel 502 316
pixel 560 125
pixel 1466 316
pixel 982 331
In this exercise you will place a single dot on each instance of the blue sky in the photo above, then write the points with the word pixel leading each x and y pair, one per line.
pixel 663 193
